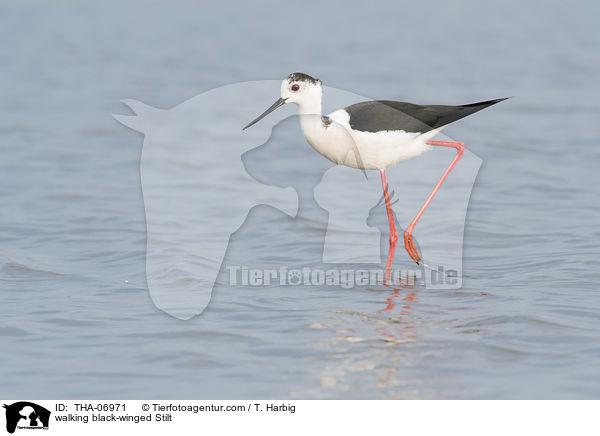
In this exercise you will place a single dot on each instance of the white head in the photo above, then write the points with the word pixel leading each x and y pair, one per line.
pixel 298 88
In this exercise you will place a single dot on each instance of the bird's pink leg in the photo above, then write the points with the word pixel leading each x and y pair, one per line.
pixel 408 239
pixel 393 231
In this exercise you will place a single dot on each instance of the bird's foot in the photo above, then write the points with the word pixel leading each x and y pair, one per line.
pixel 409 244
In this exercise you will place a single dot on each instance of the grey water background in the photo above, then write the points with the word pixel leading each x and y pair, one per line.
pixel 76 317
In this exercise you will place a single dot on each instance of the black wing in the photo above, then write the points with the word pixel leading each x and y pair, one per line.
pixel 375 116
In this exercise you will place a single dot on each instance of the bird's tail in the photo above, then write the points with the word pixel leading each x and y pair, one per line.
pixel 461 111
pixel 483 104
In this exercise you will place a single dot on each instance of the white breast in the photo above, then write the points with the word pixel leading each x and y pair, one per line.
pixel 364 150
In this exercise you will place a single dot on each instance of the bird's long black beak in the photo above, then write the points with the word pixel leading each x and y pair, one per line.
pixel 279 102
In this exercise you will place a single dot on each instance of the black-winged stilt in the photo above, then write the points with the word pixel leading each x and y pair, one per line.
pixel 374 135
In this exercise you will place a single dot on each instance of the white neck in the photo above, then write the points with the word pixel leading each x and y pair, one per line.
pixel 310 107
pixel 310 120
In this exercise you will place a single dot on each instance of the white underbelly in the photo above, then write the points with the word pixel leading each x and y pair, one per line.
pixel 339 143
pixel 368 150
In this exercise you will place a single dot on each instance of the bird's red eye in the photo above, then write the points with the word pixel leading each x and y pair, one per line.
pixel 295 87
